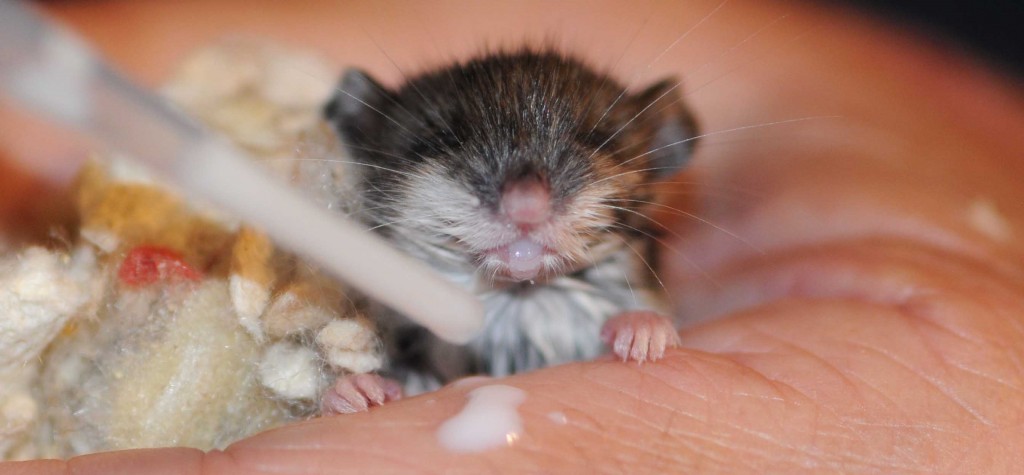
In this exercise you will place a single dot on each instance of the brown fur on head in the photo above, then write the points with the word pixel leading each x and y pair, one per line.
pixel 439 154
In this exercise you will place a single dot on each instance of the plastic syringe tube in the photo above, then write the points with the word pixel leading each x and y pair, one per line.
pixel 55 73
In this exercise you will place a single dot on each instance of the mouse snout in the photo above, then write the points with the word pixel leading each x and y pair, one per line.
pixel 526 202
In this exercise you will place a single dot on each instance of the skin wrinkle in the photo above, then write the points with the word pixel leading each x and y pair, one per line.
pixel 856 438
pixel 586 422
pixel 638 397
pixel 856 268
pixel 633 426
pixel 958 462
pixel 931 381
pixel 799 351
pixel 904 454
pixel 846 376
pixel 651 372
pixel 892 403
pixel 671 428
pixel 724 444
pixel 539 448
pixel 990 377
pixel 862 267
pixel 610 436
pixel 913 308
pixel 949 301
pixel 637 445
pixel 651 452
pixel 1016 357
pixel 853 432
pixel 648 402
pixel 676 391
pixel 900 429
pixel 898 220
pixel 701 452
pixel 946 360
pixel 920 373
pixel 857 456
pixel 766 436
pixel 920 306
pixel 579 451
pixel 687 364
pixel 1012 319
pixel 664 431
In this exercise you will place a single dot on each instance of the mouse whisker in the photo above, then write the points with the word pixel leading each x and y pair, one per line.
pixel 771 53
pixel 676 251
pixel 724 131
pixel 625 271
pixel 408 133
pixel 719 196
pixel 386 153
pixel 679 212
pixel 717 59
pixel 652 220
pixel 700 188
pixel 626 124
pixel 657 278
pixel 346 162
pixel 398 221
pixel 594 98
pixel 629 172
pixel 678 83
pixel 732 49
pixel 647 68
pixel 405 78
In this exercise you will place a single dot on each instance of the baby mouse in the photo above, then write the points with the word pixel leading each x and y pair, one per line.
pixel 524 176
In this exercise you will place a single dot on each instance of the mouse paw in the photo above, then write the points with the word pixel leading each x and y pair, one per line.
pixel 358 392
pixel 640 335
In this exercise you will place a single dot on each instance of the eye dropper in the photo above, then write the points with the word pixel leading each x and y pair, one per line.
pixel 55 73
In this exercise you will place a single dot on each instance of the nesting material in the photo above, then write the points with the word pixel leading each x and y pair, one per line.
pixel 252 278
pixel 350 345
pixel 291 371
pixel 40 291
pixel 169 323
pixel 163 364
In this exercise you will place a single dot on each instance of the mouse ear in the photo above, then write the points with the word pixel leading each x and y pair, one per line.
pixel 674 127
pixel 356 108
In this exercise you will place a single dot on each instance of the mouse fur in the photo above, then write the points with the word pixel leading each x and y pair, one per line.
pixel 434 157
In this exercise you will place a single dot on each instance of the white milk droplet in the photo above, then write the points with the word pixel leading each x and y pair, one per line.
pixel 489 420
pixel 985 218
pixel 558 417
pixel 525 258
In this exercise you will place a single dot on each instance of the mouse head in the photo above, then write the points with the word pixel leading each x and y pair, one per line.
pixel 526 164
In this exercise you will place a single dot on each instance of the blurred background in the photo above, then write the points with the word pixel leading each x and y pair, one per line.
pixel 746 63
pixel 989 29
pixel 992 30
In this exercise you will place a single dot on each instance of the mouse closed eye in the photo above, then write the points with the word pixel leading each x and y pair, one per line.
pixel 523 176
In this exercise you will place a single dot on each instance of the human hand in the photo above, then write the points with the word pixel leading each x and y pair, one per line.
pixel 861 313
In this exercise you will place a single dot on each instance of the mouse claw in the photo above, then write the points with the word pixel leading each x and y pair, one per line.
pixel 358 393
pixel 640 336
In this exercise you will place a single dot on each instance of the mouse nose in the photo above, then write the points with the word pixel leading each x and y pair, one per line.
pixel 526 202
